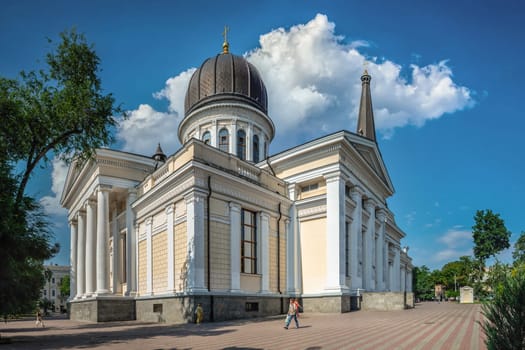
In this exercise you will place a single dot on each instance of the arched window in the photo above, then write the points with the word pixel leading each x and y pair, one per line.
pixel 206 138
pixel 255 156
pixel 224 144
pixel 241 144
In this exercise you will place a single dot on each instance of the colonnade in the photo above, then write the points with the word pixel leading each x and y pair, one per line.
pixel 90 233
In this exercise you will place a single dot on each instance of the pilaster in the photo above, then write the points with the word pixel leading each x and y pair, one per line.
pixel 335 232
pixel 235 246
pixel 170 213
pixel 368 243
pixel 355 231
pixel 265 252
pixel 131 246
pixel 195 244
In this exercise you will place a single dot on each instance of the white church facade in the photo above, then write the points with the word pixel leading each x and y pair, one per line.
pixel 223 223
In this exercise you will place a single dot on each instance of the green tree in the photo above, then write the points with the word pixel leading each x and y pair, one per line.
pixel 65 287
pixel 490 235
pixel 59 110
pixel 504 323
pixel 24 245
pixel 519 250
pixel 423 283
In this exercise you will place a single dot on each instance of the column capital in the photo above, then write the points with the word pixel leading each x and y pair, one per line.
pixel 195 196
pixel 149 220
pixel 356 193
pixel 235 206
pixel 74 221
pixel 103 188
pixel 370 204
pixel 381 214
pixel 333 176
pixel 170 209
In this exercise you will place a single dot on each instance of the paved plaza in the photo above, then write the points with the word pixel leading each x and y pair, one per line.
pixel 429 325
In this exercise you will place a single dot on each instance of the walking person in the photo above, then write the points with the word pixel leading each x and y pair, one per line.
pixel 199 313
pixel 292 313
pixel 39 320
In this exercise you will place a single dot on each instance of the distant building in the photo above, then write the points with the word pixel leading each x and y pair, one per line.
pixel 51 290
pixel 224 224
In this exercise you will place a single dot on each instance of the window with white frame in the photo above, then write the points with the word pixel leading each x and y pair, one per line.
pixel 248 242
pixel 206 138
pixel 224 144
pixel 241 144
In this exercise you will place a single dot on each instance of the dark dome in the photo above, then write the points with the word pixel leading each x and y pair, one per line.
pixel 226 77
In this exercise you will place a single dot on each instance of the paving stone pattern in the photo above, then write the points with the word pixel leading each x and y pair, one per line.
pixel 428 326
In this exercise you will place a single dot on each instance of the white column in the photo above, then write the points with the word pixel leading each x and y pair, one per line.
pixel 149 263
pixel 380 259
pixel 262 147
pixel 170 213
pixel 367 244
pixel 402 276
pixel 292 248
pixel 249 143
pixel 73 259
pixel 115 251
pixel 195 231
pixel 213 133
pixel 397 269
pixel 91 240
pixel 335 232
pixel 265 252
pixel 131 246
pixel 355 231
pixel 233 137
pixel 81 255
pixel 235 246
pixel 409 280
pixel 102 240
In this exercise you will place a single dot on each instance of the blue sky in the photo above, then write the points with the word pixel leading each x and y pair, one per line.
pixel 446 88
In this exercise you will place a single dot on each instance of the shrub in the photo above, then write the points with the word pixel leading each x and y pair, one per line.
pixel 504 323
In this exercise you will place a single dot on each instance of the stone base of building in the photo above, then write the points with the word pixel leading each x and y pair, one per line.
pixel 181 309
pixel 329 304
pixel 387 301
pixel 102 309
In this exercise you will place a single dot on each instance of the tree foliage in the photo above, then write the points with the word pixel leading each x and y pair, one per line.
pixel 59 110
pixel 490 235
pixel 423 283
pixel 24 245
pixel 65 288
pixel 504 323
pixel 519 250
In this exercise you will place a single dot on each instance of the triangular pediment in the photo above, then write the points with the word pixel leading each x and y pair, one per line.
pixel 369 151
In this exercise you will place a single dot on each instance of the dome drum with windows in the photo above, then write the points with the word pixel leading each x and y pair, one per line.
pixel 226 106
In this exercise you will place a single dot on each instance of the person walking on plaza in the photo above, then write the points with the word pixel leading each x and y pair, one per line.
pixel 199 313
pixel 292 313
pixel 39 320
pixel 297 307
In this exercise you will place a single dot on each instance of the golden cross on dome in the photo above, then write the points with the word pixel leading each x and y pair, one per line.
pixel 225 45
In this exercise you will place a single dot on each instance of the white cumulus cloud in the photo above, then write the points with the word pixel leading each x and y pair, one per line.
pixel 145 128
pixel 457 243
pixel 313 81
pixel 51 204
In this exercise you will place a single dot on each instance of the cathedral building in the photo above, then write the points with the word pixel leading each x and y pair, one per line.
pixel 224 224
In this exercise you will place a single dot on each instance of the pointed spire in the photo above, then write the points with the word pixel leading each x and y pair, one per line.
pixel 159 155
pixel 365 121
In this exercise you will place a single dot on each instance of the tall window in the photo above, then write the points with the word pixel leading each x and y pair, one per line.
pixel 206 138
pixel 255 149
pixel 248 242
pixel 241 144
pixel 223 140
